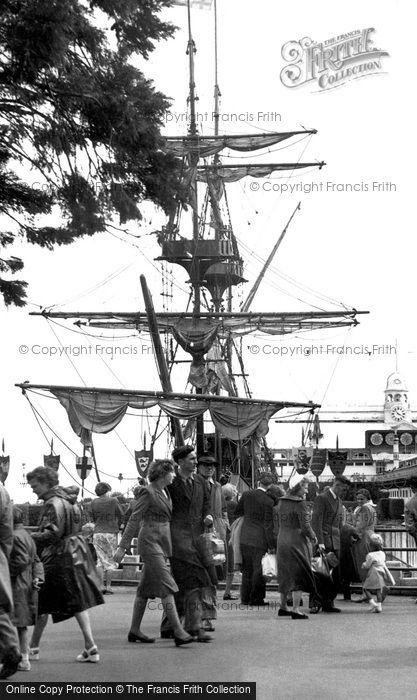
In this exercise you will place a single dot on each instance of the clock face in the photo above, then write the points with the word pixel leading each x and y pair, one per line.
pixel 390 438
pixel 376 439
pixel 397 413
pixel 406 439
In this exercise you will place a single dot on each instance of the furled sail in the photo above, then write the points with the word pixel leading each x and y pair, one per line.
pixel 233 173
pixel 223 325
pixel 101 410
pixel 205 146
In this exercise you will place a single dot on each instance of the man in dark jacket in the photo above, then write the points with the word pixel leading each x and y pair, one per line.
pixel 9 644
pixel 190 515
pixel 327 521
pixel 257 537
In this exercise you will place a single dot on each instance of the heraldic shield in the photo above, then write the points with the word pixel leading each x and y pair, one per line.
pixel 143 458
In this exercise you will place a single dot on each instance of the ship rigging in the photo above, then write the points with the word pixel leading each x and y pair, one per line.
pixel 208 250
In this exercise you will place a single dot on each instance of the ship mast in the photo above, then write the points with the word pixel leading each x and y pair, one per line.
pixel 193 160
pixel 193 157
pixel 213 263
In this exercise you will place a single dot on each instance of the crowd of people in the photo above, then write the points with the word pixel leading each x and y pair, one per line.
pixel 179 516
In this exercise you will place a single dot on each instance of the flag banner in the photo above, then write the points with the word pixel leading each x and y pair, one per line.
pixel 4 468
pixel 318 461
pixel 83 466
pixel 51 461
pixel 143 458
pixel 302 457
pixel 337 461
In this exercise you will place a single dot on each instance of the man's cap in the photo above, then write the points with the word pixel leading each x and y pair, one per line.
pixel 208 459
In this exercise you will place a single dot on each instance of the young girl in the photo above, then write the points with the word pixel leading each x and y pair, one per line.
pixel 26 573
pixel 378 577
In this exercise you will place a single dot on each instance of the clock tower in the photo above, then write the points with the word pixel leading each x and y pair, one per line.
pixel 396 407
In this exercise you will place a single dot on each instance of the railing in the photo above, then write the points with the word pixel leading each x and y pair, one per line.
pixel 397 542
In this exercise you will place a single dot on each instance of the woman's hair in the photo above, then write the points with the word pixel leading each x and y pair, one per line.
pixel 266 479
pixel 229 491
pixel 376 542
pixel 293 490
pixel 159 468
pixel 102 488
pixel 45 475
pixel 364 492
pixel 276 492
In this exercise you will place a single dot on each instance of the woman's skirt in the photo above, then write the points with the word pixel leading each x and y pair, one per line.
pixel 156 580
pixel 359 551
pixel 294 564
pixel 105 544
pixel 71 582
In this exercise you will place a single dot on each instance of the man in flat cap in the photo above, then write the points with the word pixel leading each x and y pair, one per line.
pixel 327 521
pixel 190 515
pixel 206 468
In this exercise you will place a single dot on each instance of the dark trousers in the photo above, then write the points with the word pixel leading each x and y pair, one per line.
pixel 253 587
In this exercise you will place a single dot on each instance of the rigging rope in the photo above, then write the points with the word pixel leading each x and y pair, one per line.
pixel 36 414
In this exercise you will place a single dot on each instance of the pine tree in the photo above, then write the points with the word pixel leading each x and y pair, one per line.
pixel 80 119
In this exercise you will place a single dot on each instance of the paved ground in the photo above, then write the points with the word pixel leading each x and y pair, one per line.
pixel 331 657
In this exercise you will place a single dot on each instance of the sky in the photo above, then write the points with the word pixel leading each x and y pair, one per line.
pixel 352 242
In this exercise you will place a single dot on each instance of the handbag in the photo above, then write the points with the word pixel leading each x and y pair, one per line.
pixel 319 565
pixel 269 566
pixel 211 548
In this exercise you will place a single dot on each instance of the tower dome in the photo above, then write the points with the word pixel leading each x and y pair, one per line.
pixel 395 382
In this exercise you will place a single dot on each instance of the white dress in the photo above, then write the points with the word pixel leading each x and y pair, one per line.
pixel 378 576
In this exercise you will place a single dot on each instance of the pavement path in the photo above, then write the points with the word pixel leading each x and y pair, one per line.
pixel 328 657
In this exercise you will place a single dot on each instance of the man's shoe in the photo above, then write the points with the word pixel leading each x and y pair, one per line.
pixel 24 665
pixel 167 634
pixel 284 613
pixel 228 596
pixel 180 642
pixel 140 638
pixel 11 661
pixel 34 653
pixel 331 609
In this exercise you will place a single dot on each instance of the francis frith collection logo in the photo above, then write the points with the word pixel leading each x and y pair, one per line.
pixel 331 63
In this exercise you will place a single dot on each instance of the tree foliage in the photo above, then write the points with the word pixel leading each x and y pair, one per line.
pixel 79 124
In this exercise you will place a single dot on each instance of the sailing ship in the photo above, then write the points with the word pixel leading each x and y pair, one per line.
pixel 208 250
